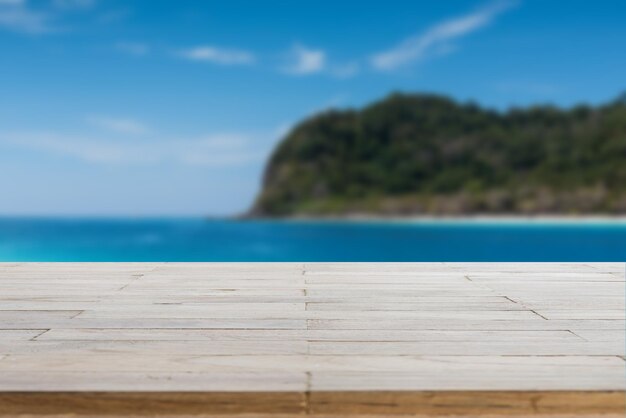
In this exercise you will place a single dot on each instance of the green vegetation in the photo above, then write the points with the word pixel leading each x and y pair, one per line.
pixel 425 154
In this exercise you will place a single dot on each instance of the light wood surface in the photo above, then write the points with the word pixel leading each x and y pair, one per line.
pixel 323 339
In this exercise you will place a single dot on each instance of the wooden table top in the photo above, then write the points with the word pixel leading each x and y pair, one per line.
pixel 315 338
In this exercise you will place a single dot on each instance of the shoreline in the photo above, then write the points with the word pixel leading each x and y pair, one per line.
pixel 444 219
pixel 351 218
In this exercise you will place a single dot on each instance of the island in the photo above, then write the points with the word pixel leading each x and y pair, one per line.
pixel 423 154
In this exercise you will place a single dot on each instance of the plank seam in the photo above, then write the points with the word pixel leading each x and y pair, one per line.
pixel 538 314
pixel 133 280
pixel 74 316
pixel 39 335
pixel 572 332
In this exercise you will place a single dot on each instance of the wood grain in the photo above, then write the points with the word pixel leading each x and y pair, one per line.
pixel 380 403
pixel 316 339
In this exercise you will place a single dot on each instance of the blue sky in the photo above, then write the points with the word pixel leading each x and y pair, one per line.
pixel 155 107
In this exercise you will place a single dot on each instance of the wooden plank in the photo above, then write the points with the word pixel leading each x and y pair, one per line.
pixel 154 323
pixel 19 334
pixel 543 277
pixel 277 314
pixel 472 405
pixel 150 403
pixel 309 335
pixel 595 379
pixel 511 348
pixel 583 313
pixel 172 348
pixel 470 366
pixel 466 402
pixel 81 381
pixel 344 403
pixel 600 336
pixel 34 315
pixel 244 302
pixel 614 325
pixel 340 348
pixel 401 305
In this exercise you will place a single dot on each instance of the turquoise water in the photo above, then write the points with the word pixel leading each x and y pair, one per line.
pixel 23 239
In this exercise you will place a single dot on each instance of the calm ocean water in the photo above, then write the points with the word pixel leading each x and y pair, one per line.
pixel 38 239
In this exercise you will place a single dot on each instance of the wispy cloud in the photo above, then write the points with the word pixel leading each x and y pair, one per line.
pixel 345 70
pixel 305 61
pixel 216 150
pixel 435 40
pixel 216 55
pixel 133 48
pixel 119 125
pixel 82 148
pixel 220 150
pixel 16 15
pixel 38 17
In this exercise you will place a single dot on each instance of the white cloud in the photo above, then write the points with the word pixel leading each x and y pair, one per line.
pixel 434 41
pixel 37 17
pixel 218 55
pixel 16 16
pixel 345 70
pixel 119 125
pixel 133 48
pixel 305 61
pixel 81 148
pixel 218 150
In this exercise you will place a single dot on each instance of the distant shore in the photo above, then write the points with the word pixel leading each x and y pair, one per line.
pixel 477 218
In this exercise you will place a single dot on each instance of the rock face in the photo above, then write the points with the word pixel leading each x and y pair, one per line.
pixel 425 154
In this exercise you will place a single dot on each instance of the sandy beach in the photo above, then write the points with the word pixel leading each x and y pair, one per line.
pixel 478 218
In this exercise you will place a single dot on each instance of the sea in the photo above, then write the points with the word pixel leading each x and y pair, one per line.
pixel 225 240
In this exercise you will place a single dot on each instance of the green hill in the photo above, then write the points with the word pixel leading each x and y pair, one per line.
pixel 425 154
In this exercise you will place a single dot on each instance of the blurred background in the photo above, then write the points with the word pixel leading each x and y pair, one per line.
pixel 312 130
